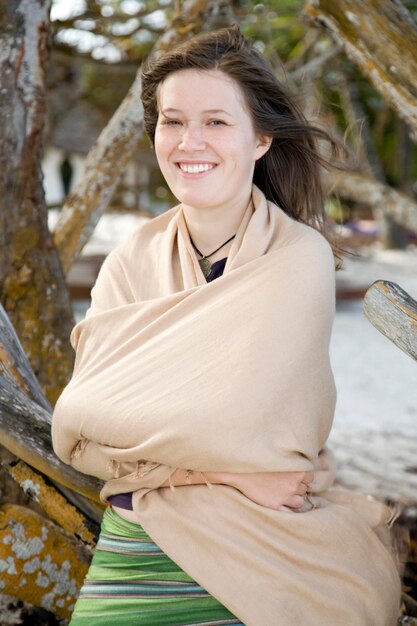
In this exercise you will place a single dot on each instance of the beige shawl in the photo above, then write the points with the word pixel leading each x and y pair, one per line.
pixel 232 375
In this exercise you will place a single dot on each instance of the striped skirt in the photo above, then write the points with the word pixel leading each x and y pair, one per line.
pixel 131 582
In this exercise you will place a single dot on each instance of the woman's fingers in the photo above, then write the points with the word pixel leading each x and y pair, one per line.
pixel 295 502
pixel 302 489
pixel 301 482
pixel 274 489
pixel 307 477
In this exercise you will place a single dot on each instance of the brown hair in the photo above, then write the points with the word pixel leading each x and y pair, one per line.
pixel 289 172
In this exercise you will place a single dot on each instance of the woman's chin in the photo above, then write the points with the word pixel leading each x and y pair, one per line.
pixel 197 201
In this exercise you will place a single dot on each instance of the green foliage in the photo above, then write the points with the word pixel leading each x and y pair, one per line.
pixel 275 26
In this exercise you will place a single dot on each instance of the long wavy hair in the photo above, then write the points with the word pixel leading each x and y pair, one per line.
pixel 289 172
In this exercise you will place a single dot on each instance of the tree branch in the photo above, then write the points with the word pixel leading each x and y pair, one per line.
pixel 355 186
pixel 312 67
pixel 382 40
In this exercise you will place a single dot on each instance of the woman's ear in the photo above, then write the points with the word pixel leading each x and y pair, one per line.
pixel 262 146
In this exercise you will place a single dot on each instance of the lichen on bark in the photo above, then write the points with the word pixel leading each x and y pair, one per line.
pixel 32 285
pixel 39 564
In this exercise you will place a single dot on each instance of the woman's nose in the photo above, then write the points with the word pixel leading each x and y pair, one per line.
pixel 191 138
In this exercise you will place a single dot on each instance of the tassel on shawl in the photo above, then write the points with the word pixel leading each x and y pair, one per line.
pixel 188 480
pixel 171 486
pixel 208 483
pixel 78 449
pixel 113 466
pixel 395 511
pixel 144 467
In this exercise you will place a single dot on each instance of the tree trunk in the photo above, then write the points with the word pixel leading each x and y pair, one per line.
pixel 32 286
pixel 381 38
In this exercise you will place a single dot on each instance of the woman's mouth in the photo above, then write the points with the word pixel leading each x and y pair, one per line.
pixel 196 168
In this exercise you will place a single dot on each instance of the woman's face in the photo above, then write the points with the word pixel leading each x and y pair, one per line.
pixel 204 141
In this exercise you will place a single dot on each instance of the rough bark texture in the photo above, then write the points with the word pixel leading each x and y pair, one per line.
pixel 394 313
pixel 32 286
pixel 116 144
pixel 53 504
pixel 39 563
pixel 381 38
pixel 389 201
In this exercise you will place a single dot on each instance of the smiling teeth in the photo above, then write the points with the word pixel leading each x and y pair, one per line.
pixel 195 169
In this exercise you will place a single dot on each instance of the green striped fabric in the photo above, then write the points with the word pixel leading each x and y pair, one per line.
pixel 131 582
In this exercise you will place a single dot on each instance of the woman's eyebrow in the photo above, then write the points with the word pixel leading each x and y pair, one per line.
pixel 212 111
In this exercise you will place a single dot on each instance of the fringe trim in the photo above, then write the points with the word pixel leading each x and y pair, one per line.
pixel 395 510
pixel 208 483
pixel 78 449
pixel 144 467
pixel 171 486
pixel 188 474
pixel 113 466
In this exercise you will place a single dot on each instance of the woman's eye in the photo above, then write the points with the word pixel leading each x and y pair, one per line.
pixel 217 123
pixel 171 122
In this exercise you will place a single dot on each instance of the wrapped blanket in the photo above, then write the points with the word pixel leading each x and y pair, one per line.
pixel 232 376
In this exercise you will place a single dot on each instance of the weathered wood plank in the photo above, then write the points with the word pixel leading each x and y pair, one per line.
pixel 39 564
pixel 394 313
pixel 25 430
pixel 54 505
pixel 14 364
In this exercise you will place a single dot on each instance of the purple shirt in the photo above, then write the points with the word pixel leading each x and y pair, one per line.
pixel 124 500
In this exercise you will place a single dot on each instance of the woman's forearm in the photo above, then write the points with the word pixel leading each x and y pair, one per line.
pixel 183 477
pixel 275 490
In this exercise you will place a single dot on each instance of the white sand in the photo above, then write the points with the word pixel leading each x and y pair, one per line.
pixel 375 428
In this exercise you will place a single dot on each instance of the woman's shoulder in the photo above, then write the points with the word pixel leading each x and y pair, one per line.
pixel 304 241
pixel 117 281
pixel 312 239
pixel 143 239
pixel 290 236
pixel 306 258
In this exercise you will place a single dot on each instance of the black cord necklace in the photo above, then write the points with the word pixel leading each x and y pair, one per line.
pixel 204 262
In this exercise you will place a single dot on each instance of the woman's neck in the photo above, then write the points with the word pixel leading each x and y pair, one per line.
pixel 209 228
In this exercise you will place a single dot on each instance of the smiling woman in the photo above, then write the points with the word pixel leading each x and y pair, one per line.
pixel 202 390
pixel 206 147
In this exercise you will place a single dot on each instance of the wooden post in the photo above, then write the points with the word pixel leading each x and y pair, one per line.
pixel 394 313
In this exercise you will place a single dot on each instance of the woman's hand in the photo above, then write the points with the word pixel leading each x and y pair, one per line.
pixel 282 491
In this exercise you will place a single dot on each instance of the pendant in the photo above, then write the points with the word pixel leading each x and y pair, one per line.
pixel 205 266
